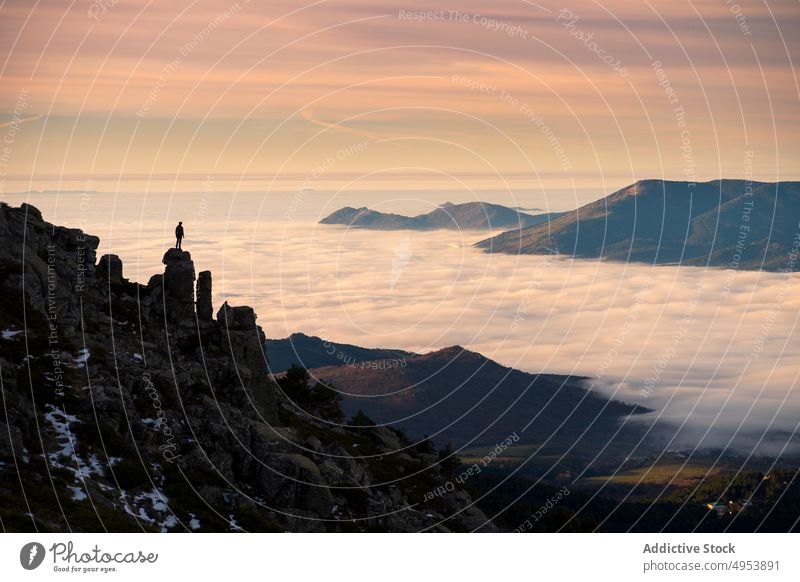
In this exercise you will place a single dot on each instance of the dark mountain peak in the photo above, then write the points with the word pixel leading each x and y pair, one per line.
pixel 468 215
pixel 672 222
pixel 315 352
pixel 452 352
pixel 459 396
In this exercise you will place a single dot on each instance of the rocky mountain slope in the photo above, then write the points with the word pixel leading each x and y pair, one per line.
pixel 461 397
pixel 471 215
pixel 129 407
pixel 724 223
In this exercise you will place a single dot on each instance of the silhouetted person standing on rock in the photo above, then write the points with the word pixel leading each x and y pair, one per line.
pixel 178 235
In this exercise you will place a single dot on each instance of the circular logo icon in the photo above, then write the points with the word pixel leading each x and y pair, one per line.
pixel 31 555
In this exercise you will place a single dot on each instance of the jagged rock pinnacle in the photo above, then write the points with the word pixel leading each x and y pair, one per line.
pixel 178 285
pixel 205 310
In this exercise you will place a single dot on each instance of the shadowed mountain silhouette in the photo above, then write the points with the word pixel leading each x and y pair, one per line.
pixel 467 216
pixel 459 396
pixel 723 223
pixel 314 352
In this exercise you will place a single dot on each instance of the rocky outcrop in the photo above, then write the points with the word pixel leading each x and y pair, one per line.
pixel 205 309
pixel 245 340
pixel 159 417
pixel 178 286
pixel 110 268
pixel 57 261
pixel 236 318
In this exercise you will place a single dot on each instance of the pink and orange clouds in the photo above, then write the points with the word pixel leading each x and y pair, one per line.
pixel 143 87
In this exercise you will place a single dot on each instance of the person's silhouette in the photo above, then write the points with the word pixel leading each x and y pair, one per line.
pixel 178 235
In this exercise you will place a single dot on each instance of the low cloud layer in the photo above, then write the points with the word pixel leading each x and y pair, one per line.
pixel 713 352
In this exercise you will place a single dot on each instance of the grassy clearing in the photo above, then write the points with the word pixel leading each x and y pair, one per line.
pixel 676 474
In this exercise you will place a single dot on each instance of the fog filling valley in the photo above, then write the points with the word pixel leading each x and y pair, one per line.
pixel 712 352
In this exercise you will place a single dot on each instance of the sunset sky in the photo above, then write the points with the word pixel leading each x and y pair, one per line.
pixel 510 92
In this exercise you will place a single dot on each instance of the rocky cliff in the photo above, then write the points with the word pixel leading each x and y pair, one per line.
pixel 130 407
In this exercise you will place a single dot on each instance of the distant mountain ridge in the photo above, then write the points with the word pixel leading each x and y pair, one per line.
pixel 314 352
pixel 723 223
pixel 470 215
pixel 459 396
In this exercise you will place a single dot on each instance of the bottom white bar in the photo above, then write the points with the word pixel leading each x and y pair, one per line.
pixel 400 557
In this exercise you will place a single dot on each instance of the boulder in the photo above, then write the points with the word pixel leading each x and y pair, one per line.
pixel 293 480
pixel 238 318
pixel 110 268
pixel 174 256
pixel 313 443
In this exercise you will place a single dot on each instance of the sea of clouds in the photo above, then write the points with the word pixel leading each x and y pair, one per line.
pixel 714 353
